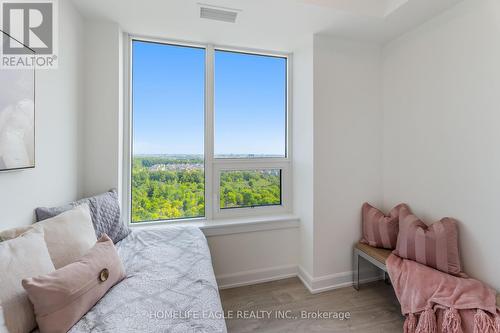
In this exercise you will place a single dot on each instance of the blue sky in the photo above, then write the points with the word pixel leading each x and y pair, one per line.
pixel 168 101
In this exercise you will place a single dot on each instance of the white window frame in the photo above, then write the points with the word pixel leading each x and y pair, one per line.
pixel 213 166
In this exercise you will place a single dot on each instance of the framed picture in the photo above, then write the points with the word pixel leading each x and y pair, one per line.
pixel 17 114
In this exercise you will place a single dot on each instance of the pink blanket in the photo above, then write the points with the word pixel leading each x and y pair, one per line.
pixel 436 302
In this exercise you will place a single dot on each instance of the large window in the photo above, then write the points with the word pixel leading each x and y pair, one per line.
pixel 250 105
pixel 209 132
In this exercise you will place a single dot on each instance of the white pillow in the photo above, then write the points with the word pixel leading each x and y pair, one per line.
pixel 20 258
pixel 68 235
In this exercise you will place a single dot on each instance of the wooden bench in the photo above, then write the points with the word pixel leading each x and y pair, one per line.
pixel 371 254
pixel 377 257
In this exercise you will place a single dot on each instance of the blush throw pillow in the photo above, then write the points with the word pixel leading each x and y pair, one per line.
pixel 380 230
pixel 20 258
pixel 435 246
pixel 62 297
pixel 105 212
pixel 68 235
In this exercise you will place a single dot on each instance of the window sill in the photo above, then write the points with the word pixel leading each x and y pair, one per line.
pixel 230 226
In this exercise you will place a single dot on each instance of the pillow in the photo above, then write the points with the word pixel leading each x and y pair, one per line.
pixel 380 230
pixel 14 232
pixel 62 297
pixel 68 235
pixel 20 258
pixel 105 211
pixel 435 245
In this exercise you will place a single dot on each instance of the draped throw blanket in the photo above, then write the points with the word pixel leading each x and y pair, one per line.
pixel 436 302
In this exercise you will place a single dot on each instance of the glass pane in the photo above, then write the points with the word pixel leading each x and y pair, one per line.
pixel 250 188
pixel 250 105
pixel 168 91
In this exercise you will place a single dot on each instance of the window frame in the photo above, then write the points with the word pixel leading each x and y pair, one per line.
pixel 213 166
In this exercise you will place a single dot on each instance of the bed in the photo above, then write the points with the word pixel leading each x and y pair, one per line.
pixel 169 286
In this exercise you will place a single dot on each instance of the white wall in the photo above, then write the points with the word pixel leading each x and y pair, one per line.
pixel 56 177
pixel 303 159
pixel 441 127
pixel 347 150
pixel 337 153
pixel 103 118
pixel 253 257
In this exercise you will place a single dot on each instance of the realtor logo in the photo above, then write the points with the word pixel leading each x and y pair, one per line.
pixel 29 23
pixel 30 33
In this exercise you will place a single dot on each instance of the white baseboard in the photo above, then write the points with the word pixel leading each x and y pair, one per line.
pixel 314 285
pixel 331 282
pixel 256 276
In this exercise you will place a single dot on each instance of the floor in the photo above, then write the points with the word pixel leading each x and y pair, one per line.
pixel 374 309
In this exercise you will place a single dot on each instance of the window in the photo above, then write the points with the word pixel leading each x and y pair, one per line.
pixel 208 132
pixel 168 123
pixel 250 188
pixel 250 105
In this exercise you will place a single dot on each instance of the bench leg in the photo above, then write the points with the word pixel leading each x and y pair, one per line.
pixel 355 278
pixel 387 279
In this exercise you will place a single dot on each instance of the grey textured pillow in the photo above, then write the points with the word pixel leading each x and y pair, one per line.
pixel 105 212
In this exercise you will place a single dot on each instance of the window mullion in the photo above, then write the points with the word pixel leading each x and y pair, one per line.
pixel 209 133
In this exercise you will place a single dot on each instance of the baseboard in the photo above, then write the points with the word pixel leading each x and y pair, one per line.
pixel 332 281
pixel 305 278
pixel 314 285
pixel 256 276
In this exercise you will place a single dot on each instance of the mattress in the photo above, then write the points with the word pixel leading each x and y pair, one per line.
pixel 169 286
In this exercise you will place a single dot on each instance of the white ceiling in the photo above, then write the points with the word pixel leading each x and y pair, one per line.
pixel 375 8
pixel 278 25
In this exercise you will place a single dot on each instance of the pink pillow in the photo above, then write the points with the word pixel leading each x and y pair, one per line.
pixel 62 297
pixel 435 246
pixel 380 230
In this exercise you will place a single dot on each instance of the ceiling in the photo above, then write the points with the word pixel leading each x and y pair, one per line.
pixel 279 25
pixel 375 8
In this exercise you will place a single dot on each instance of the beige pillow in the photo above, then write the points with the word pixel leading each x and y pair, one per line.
pixel 68 235
pixel 20 258
pixel 13 233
